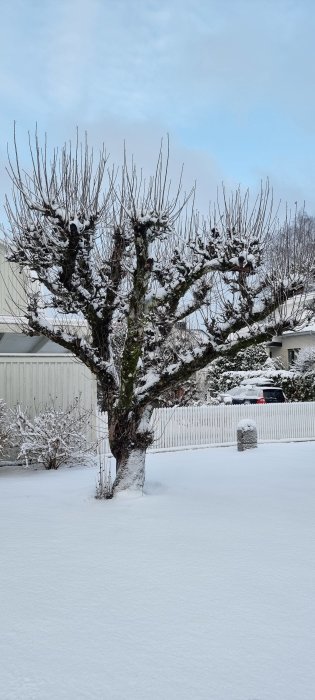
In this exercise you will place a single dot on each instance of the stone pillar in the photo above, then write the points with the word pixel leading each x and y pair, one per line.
pixel 246 435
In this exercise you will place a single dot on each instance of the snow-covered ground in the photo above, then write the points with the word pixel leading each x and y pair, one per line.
pixel 203 589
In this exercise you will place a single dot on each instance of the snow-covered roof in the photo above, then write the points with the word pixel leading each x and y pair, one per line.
pixel 306 330
pixel 13 340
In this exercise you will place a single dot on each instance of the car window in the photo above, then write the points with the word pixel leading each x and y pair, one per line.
pixel 274 395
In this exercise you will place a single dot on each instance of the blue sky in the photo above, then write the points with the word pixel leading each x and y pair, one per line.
pixel 231 81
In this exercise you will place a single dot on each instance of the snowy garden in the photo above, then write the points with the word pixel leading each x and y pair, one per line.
pixel 190 575
pixel 201 588
pixel 157 350
pixel 185 573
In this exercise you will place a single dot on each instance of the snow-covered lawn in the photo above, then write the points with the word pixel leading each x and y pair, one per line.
pixel 203 589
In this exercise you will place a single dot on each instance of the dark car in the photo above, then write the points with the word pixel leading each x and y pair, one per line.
pixel 247 394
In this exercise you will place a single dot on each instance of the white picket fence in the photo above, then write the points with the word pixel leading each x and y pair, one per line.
pixel 201 426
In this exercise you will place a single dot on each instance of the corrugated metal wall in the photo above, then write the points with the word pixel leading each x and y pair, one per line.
pixel 35 381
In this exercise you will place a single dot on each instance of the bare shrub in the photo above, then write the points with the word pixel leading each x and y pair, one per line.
pixel 5 431
pixel 53 437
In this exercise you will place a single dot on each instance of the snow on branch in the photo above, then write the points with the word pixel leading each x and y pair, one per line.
pixel 72 342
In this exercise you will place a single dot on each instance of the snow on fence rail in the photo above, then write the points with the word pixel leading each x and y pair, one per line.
pixel 198 426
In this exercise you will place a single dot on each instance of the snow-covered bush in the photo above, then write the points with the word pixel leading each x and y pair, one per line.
pixel 305 360
pixel 273 363
pixel 298 384
pixel 54 437
pixel 251 358
pixel 204 386
pixel 295 385
pixel 5 431
pixel 220 374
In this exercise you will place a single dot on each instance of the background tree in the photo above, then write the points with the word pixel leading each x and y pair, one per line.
pixel 305 360
pixel 298 229
pixel 131 262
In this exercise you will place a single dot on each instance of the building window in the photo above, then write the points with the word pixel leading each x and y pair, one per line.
pixel 292 353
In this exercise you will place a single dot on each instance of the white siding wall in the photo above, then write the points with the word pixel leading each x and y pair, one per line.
pixel 300 340
pixel 34 381
pixel 12 287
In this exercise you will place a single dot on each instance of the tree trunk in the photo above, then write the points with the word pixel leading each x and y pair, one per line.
pixel 130 470
pixel 129 438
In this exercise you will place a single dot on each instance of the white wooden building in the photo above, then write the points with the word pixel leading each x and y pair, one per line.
pixel 34 372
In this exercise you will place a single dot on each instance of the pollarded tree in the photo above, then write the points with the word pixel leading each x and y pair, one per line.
pixel 131 263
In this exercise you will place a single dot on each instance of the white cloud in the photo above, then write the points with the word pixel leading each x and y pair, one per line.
pixel 151 59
